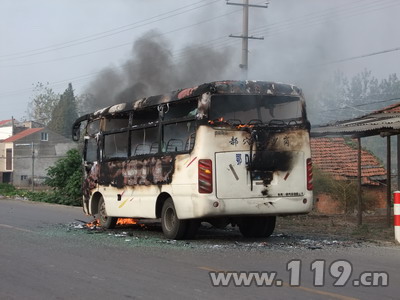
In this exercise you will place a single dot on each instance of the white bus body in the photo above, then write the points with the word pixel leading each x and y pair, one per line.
pixel 246 170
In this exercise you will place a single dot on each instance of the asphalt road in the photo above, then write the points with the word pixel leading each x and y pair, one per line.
pixel 45 254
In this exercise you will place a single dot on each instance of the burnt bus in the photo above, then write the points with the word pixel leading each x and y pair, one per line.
pixel 225 152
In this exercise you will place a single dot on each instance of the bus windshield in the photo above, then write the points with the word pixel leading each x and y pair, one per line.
pixel 241 109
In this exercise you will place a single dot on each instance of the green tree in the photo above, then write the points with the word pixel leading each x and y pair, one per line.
pixel 64 113
pixel 66 178
pixel 41 107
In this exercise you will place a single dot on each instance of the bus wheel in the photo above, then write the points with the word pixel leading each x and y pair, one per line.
pixel 104 220
pixel 257 226
pixel 172 227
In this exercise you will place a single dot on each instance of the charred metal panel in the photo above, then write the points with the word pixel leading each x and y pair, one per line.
pixel 91 176
pixel 275 153
pixel 274 150
pixel 203 105
pixel 272 161
pixel 146 171
pixel 202 92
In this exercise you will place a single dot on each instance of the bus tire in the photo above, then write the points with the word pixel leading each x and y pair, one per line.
pixel 172 227
pixel 104 220
pixel 257 226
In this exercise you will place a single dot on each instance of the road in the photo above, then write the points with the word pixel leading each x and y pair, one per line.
pixel 45 254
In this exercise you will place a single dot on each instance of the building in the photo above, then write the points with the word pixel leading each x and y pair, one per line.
pixel 27 150
pixel 6 129
pixel 338 157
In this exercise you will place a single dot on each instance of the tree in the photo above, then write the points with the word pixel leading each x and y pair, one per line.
pixel 342 98
pixel 42 105
pixel 66 178
pixel 64 113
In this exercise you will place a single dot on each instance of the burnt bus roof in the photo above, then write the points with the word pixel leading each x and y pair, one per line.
pixel 231 87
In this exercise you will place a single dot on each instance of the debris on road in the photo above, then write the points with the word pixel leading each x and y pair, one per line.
pixel 220 239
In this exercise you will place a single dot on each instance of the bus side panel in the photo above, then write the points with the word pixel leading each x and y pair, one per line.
pixel 134 195
pixel 131 202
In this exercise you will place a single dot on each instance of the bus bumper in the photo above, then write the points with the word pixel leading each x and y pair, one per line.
pixel 214 207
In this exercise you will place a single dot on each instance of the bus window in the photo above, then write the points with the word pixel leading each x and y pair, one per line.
pixel 116 123
pixel 144 141
pixel 178 136
pixel 243 109
pixel 145 116
pixel 93 127
pixel 116 145
pixel 91 151
pixel 181 110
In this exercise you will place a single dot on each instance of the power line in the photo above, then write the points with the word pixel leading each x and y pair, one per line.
pixel 360 9
pixel 125 44
pixel 363 104
pixel 336 10
pixel 361 56
pixel 315 17
pixel 102 34
pixel 217 40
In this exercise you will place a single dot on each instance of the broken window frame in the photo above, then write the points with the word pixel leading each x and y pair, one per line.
pixel 297 120
pixel 86 148
pixel 144 127
pixel 163 143
pixel 172 111
pixel 159 123
pixel 140 115
pixel 93 127
pixel 106 122
pixel 103 147
pixel 188 116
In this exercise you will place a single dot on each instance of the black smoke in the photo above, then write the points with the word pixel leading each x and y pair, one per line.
pixel 153 69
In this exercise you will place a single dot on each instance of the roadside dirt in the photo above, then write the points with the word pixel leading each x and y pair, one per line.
pixel 373 228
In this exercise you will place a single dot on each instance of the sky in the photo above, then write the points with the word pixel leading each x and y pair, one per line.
pixel 57 42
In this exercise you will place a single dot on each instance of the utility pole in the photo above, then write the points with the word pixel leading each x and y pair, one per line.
pixel 33 167
pixel 245 34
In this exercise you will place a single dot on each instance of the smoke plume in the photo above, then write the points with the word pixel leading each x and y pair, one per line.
pixel 152 69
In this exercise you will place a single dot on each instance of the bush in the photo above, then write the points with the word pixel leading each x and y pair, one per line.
pixel 65 177
pixel 343 191
pixel 7 189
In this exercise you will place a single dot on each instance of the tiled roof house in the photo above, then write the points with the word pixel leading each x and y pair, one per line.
pixel 28 150
pixel 339 158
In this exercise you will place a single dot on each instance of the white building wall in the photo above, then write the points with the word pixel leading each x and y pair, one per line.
pixel 5 132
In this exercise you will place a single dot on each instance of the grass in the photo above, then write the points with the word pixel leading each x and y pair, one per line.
pixel 9 190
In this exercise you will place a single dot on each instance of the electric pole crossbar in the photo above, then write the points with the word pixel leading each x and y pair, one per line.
pixel 245 34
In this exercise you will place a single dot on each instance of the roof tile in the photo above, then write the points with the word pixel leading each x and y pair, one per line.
pixel 337 157
pixel 21 135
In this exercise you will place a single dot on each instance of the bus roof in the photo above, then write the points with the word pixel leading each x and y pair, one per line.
pixel 231 87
